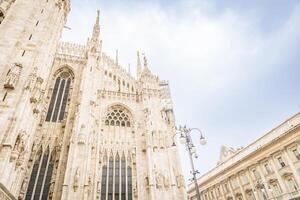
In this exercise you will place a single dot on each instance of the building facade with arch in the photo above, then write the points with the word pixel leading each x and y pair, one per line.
pixel 74 123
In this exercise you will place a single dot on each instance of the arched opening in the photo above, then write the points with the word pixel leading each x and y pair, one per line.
pixel 118 116
pixel 59 99
pixel 2 16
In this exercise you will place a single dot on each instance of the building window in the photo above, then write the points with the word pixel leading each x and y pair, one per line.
pixel 268 168
pixel 292 184
pixel 40 179
pixel 1 17
pixel 118 116
pixel 297 154
pixel 281 162
pixel 276 189
pixel 116 178
pixel 60 94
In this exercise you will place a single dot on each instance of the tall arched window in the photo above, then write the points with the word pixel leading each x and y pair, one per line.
pixel 40 178
pixel 2 16
pixel 60 94
pixel 116 179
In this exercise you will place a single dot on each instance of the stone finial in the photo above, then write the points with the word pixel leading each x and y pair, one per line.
pixel 96 30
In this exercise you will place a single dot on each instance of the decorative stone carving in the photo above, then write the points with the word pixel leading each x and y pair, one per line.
pixel 76 179
pixel 81 136
pixel 166 180
pixel 29 85
pixel 159 180
pixel 51 191
pixel 180 181
pixel 23 189
pixel 13 76
pixel 19 147
pixel 36 92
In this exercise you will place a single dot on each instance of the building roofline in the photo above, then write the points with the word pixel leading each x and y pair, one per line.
pixel 275 133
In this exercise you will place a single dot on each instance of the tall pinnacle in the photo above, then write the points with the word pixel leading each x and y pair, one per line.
pixel 96 30
pixel 139 65
pixel 117 57
pixel 146 68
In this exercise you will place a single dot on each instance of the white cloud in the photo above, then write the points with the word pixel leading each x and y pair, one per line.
pixel 203 55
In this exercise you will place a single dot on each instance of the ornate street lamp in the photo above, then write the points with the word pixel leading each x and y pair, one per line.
pixel 186 139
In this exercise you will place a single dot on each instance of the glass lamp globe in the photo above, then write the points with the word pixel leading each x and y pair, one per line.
pixel 203 141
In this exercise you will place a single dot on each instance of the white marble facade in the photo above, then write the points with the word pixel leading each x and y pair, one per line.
pixel 74 123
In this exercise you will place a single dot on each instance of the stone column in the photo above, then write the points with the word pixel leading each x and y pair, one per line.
pixel 231 189
pixel 264 180
pixel 222 191
pixel 252 184
pixel 241 186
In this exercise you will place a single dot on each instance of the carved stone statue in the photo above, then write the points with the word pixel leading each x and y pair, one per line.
pixel 76 179
pixel 166 180
pixel 159 179
pixel 19 146
pixel 13 76
pixel 31 80
pixel 180 181
pixel 23 188
pixel 36 92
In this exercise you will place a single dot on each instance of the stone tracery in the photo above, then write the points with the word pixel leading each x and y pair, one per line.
pixel 118 116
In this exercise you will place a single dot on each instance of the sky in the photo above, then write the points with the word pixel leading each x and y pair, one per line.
pixel 233 65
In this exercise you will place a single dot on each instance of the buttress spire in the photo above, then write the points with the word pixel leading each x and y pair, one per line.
pixel 117 57
pixel 139 65
pixel 96 30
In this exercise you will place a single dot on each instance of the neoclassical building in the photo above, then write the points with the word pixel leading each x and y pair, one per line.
pixel 74 124
pixel 267 169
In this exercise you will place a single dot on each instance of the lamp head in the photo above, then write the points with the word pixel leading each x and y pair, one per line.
pixel 203 141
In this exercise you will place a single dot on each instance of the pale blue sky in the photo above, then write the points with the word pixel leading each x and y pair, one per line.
pixel 233 66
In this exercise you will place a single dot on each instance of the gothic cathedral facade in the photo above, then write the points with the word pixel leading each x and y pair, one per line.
pixel 73 123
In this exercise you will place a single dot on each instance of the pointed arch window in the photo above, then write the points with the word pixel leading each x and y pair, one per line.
pixel 116 179
pixel 118 116
pixel 40 178
pixel 60 94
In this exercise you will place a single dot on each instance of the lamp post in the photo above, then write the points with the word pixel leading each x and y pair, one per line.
pixel 186 139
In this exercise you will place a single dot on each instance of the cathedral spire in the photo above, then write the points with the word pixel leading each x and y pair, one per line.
pixel 117 57
pixel 146 69
pixel 96 30
pixel 139 65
